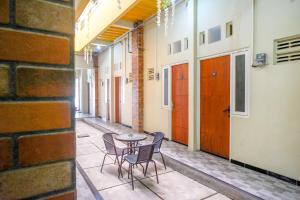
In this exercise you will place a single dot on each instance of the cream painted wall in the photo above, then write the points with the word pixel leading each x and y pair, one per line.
pixel 156 117
pixel 213 13
pixel 123 57
pixel 104 60
pixel 81 65
pixel 269 138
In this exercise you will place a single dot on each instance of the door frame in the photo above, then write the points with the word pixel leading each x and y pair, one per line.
pixel 198 71
pixel 170 107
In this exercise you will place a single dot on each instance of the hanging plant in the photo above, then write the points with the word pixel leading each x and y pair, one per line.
pixel 158 12
pixel 165 5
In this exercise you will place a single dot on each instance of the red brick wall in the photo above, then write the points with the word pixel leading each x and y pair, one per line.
pixel 138 79
pixel 37 138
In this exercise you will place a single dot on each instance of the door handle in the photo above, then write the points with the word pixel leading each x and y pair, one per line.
pixel 227 110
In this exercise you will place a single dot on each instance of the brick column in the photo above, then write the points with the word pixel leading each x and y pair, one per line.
pixel 37 140
pixel 138 79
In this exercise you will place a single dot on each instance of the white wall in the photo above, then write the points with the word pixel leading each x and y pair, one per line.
pixel 157 118
pixel 269 138
pixel 104 60
pixel 213 13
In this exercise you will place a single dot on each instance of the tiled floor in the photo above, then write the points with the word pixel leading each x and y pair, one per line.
pixel 255 183
pixel 83 190
pixel 172 185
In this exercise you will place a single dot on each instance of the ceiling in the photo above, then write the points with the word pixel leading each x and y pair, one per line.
pixel 141 11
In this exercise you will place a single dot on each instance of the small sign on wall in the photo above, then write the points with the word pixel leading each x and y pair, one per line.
pixel 130 77
pixel 150 74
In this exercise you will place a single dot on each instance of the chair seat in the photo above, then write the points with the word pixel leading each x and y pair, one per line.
pixel 120 151
pixel 131 158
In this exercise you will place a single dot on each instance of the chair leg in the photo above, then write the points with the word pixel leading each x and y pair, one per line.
pixel 119 168
pixel 131 178
pixel 103 162
pixel 155 171
pixel 143 168
pixel 146 169
pixel 162 157
pixel 129 170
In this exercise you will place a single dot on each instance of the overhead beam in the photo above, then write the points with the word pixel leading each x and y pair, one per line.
pixel 124 24
pixel 80 8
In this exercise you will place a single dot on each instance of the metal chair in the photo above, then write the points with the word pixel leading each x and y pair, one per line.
pixel 144 155
pixel 157 141
pixel 112 149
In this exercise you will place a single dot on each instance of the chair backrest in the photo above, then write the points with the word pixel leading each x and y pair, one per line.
pixel 145 153
pixel 109 143
pixel 158 138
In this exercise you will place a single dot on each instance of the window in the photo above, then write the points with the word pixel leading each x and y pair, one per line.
pixel 165 86
pixel 202 38
pixel 240 78
pixel 229 29
pixel 177 47
pixel 169 49
pixel 214 34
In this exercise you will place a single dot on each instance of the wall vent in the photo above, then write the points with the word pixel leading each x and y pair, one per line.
pixel 287 49
pixel 177 47
pixel 202 38
pixel 150 74
pixel 229 29
pixel 186 43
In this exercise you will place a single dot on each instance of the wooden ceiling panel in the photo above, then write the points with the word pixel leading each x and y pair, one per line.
pixel 143 10
pixel 112 33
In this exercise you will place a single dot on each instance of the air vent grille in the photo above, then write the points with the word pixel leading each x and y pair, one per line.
pixel 287 49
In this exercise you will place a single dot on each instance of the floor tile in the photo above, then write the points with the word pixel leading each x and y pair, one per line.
pixel 93 160
pixel 138 171
pixel 82 189
pixel 174 185
pixel 124 192
pixel 108 178
pixel 218 197
pixel 86 149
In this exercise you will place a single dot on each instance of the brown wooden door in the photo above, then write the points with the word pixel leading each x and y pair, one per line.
pixel 214 105
pixel 107 99
pixel 180 103
pixel 117 100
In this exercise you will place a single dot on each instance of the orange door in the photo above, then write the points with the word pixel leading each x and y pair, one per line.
pixel 180 103
pixel 117 99
pixel 214 105
pixel 108 106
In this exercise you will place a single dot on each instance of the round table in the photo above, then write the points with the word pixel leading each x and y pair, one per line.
pixel 130 139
